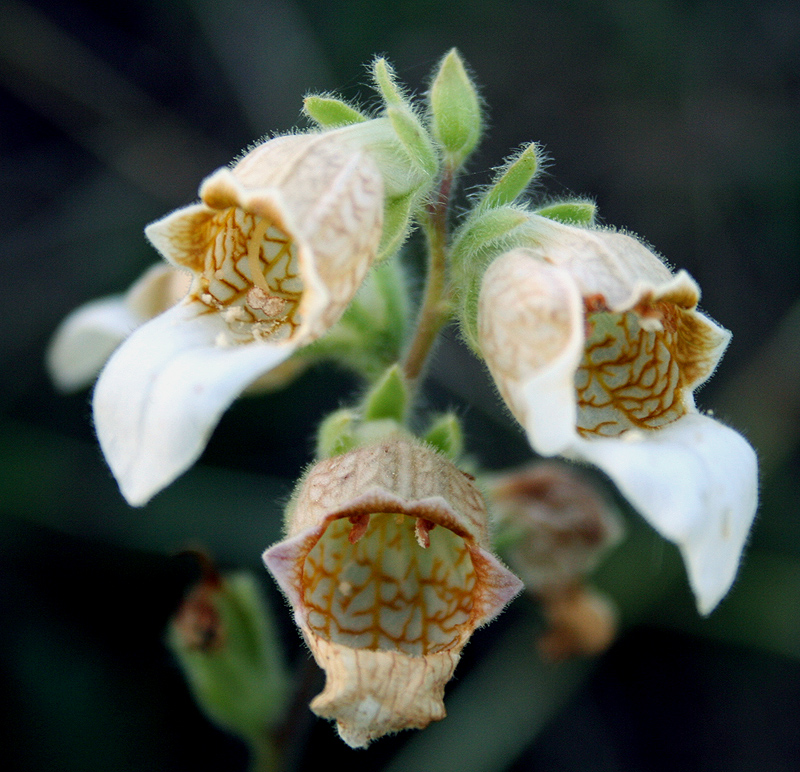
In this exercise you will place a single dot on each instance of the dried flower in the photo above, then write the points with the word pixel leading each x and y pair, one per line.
pixel 554 524
pixel 597 349
pixel 386 564
pixel 277 247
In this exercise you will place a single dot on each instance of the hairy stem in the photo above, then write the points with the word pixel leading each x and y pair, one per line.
pixel 436 306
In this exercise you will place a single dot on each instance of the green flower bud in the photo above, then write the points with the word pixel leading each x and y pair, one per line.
pixel 224 641
pixel 513 178
pixel 388 398
pixel 577 212
pixel 446 436
pixel 455 109
pixel 414 138
pixel 330 112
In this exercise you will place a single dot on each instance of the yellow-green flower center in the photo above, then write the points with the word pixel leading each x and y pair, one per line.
pixel 372 585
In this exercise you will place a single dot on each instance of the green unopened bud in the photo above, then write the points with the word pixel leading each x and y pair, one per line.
pixel 414 137
pixel 388 398
pixel 225 643
pixel 337 433
pixel 579 212
pixel 330 112
pixel 446 436
pixel 455 109
pixel 512 179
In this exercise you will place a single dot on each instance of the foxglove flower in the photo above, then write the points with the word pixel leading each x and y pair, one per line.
pixel 277 247
pixel 387 567
pixel 597 349
pixel 86 339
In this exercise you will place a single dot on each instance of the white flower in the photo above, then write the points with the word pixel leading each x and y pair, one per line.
pixel 597 348
pixel 87 337
pixel 387 567
pixel 278 246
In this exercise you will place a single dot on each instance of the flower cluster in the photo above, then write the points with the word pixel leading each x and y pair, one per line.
pixel 595 346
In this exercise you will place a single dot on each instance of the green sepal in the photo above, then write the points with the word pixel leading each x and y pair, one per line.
pixel 445 434
pixel 455 109
pixel 337 433
pixel 484 229
pixel 512 179
pixel 414 138
pixel 578 212
pixel 388 398
pixel 235 666
pixel 396 223
pixel 386 83
pixel 330 112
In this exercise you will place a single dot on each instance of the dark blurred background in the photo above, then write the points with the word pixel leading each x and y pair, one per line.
pixel 679 118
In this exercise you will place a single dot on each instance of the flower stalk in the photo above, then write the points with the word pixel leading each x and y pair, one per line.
pixel 436 307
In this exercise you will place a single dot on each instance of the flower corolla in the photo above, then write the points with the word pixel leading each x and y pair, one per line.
pixel 387 566
pixel 597 348
pixel 87 337
pixel 277 247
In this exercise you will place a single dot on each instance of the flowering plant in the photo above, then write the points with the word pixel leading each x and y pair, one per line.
pixel 389 560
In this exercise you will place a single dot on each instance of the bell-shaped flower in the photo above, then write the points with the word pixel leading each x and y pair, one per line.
pixel 387 566
pixel 597 349
pixel 87 337
pixel 277 247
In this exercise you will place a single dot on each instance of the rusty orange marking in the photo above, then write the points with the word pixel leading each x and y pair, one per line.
pixel 630 377
pixel 387 592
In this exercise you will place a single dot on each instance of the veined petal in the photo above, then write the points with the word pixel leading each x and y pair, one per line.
pixel 530 328
pixel 696 482
pixel 163 392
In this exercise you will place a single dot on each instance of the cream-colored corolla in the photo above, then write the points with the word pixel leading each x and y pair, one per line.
pixel 597 348
pixel 277 247
pixel 87 337
pixel 387 566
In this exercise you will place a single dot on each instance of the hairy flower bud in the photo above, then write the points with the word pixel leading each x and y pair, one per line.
pixel 386 564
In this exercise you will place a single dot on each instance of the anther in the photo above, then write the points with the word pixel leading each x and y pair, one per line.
pixel 422 530
pixel 360 525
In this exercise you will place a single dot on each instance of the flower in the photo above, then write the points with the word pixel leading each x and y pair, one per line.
pixel 277 247
pixel 597 349
pixel 555 524
pixel 386 564
pixel 87 337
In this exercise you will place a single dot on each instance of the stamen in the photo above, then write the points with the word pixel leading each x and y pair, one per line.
pixel 422 529
pixel 360 525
